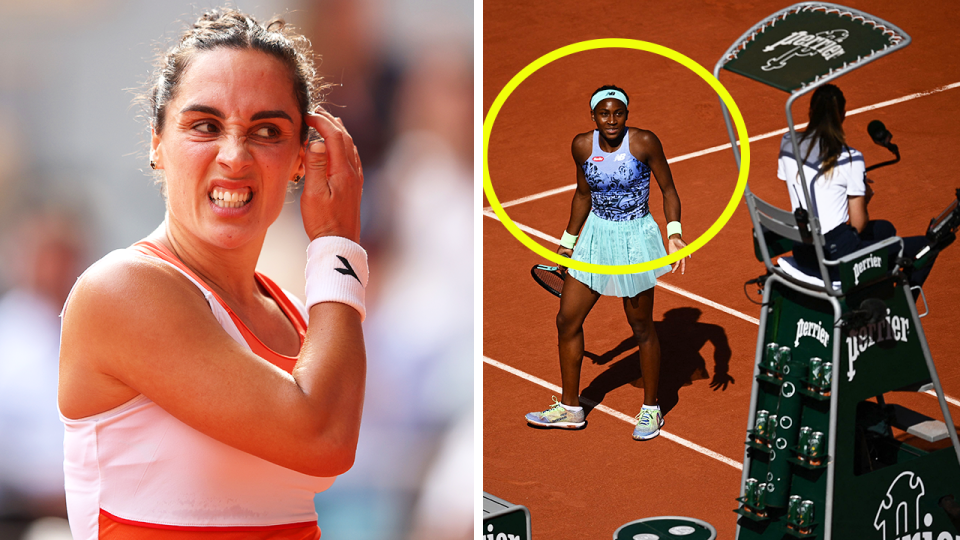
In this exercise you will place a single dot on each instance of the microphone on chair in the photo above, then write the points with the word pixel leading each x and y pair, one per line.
pixel 878 132
pixel 871 311
pixel 881 136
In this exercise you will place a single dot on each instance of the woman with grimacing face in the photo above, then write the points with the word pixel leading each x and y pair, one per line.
pixel 611 215
pixel 199 398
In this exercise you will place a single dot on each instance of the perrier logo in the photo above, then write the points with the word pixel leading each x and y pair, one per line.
pixel 812 329
pixel 826 44
pixel 861 266
pixel 891 328
pixel 900 515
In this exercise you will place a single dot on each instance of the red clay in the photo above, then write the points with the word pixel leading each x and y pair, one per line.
pixel 585 484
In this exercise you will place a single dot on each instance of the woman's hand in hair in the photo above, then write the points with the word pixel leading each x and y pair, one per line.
pixel 330 204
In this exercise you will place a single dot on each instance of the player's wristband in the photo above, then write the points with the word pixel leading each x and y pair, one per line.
pixel 568 240
pixel 674 228
pixel 336 272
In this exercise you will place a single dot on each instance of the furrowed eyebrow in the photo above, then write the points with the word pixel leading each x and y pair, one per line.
pixel 270 114
pixel 203 109
pixel 206 109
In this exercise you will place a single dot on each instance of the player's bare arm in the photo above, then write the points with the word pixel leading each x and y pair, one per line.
pixel 580 206
pixel 646 147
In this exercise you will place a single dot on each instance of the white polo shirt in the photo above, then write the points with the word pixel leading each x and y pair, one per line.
pixel 829 191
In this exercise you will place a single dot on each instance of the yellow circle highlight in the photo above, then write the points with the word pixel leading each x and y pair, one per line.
pixel 582 266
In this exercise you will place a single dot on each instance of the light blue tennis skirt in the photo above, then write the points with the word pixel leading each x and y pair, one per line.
pixel 619 242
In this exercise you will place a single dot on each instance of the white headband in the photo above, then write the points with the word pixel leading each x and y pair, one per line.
pixel 607 94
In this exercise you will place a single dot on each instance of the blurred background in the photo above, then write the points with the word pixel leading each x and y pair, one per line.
pixel 73 186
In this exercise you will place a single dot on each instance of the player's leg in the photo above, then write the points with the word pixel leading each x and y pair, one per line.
pixel 575 305
pixel 639 311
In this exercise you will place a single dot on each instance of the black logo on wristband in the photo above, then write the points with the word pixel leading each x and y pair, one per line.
pixel 348 271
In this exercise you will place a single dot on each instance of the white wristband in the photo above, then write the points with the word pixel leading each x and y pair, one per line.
pixel 674 228
pixel 568 240
pixel 336 272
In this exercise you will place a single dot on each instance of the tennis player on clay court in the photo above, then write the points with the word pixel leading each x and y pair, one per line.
pixel 614 163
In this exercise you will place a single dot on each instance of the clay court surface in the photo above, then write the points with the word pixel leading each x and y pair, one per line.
pixel 587 483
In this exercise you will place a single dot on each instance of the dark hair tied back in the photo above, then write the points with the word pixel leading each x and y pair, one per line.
pixel 827 106
pixel 229 28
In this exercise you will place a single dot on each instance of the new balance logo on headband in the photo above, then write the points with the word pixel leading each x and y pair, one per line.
pixel 348 270
pixel 607 94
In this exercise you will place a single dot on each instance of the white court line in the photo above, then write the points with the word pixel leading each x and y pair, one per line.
pixel 904 98
pixel 617 414
pixel 950 400
pixel 718 148
pixel 527 229
pixel 711 303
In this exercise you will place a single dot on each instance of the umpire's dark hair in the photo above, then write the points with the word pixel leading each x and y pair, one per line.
pixel 827 109
pixel 611 87
pixel 233 29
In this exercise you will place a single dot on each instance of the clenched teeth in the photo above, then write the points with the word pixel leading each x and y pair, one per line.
pixel 230 198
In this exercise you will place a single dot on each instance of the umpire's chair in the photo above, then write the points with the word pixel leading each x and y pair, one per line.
pixel 837 347
pixel 776 231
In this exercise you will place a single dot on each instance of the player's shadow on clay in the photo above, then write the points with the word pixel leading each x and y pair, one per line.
pixel 681 364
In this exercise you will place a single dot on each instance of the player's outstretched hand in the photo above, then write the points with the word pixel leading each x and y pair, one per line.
pixel 333 183
pixel 675 244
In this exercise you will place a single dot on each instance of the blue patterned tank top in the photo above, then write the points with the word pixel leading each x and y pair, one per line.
pixel 619 183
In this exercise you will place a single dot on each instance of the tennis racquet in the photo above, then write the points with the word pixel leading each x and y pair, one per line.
pixel 548 277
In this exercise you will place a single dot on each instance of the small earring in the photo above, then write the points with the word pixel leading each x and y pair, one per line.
pixel 153 164
pixel 296 178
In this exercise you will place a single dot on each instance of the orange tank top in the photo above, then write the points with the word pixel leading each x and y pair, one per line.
pixel 283 362
pixel 165 517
